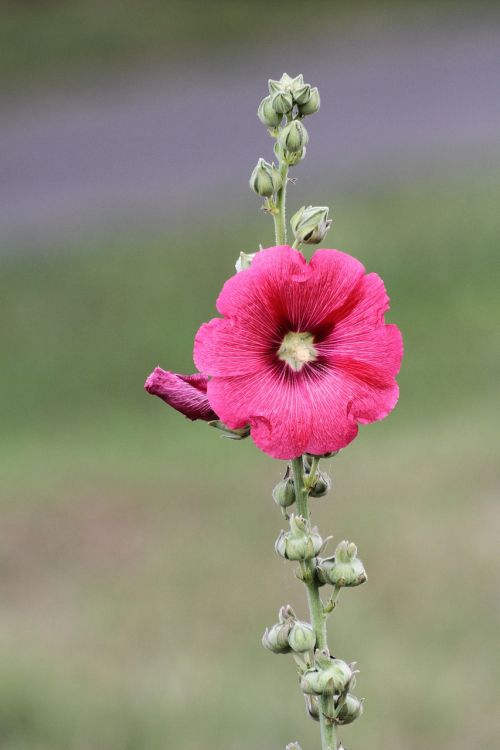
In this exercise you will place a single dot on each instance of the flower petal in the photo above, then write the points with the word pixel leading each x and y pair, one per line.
pixel 273 405
pixel 227 347
pixel 185 393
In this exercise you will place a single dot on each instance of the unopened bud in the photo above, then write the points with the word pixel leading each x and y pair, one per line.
pixel 286 83
pixel 352 708
pixel 267 114
pixel 244 261
pixel 284 492
pixel 275 639
pixel 322 485
pixel 282 102
pixel 293 137
pixel 344 568
pixel 302 637
pixel 312 104
pixel 237 434
pixel 329 679
pixel 301 542
pixel 310 224
pixel 301 94
pixel 265 179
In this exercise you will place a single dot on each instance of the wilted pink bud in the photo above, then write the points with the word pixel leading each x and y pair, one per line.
pixel 186 393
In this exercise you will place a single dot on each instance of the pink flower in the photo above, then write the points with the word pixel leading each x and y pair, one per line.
pixel 186 393
pixel 302 354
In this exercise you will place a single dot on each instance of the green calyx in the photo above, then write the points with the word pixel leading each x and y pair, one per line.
pixel 284 492
pixel 344 568
pixel 265 179
pixel 293 138
pixel 289 634
pixel 351 709
pixel 244 261
pixel 298 93
pixel 301 637
pixel 300 543
pixel 227 432
pixel 321 486
pixel 267 113
pixel 312 105
pixel 310 224
pixel 329 676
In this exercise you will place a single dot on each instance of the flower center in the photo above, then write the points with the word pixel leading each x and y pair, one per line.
pixel 297 350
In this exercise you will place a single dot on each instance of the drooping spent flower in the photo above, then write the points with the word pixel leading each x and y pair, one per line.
pixel 302 353
pixel 185 393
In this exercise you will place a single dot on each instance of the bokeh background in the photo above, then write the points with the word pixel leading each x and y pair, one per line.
pixel 136 548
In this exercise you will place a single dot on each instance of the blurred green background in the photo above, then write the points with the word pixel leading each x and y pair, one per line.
pixel 136 548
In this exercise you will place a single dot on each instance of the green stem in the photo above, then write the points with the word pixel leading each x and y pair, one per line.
pixel 280 215
pixel 329 739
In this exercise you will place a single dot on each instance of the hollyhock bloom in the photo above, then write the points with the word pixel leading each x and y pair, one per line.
pixel 186 393
pixel 302 353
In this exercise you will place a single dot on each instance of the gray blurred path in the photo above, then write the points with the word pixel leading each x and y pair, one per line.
pixel 143 149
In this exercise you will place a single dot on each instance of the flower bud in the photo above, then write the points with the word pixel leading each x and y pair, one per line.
pixel 284 492
pixel 265 179
pixel 329 676
pixel 282 102
pixel 301 637
pixel 293 137
pixel 312 706
pixel 344 568
pixel 352 708
pixel 301 94
pixel 293 746
pixel 301 542
pixel 312 104
pixel 322 485
pixel 275 639
pixel 310 224
pixel 244 261
pixel 238 434
pixel 267 114
pixel 286 83
pixel 293 159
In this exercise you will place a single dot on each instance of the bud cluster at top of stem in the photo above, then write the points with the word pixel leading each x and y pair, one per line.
pixel 290 97
pixel 289 101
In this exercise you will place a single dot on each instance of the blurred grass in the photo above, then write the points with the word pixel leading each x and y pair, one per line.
pixel 60 39
pixel 121 520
